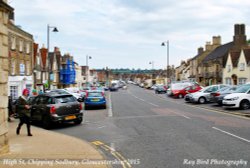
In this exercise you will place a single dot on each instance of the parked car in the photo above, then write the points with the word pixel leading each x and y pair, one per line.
pixel 95 98
pixel 177 86
pixel 203 96
pixel 180 93
pixel 78 96
pixel 160 89
pixel 55 107
pixel 239 99
pixel 218 96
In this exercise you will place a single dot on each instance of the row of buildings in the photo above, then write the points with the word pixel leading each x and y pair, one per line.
pixel 33 67
pixel 219 63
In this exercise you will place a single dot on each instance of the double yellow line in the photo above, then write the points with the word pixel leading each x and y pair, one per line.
pixel 117 155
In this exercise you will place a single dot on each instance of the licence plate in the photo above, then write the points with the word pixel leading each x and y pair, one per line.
pixel 95 100
pixel 71 117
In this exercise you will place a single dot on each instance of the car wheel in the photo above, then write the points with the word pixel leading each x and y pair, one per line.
pixel 46 122
pixel 244 104
pixel 104 107
pixel 180 96
pixel 202 100
pixel 78 121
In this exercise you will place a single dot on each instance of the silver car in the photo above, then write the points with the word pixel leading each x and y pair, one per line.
pixel 204 96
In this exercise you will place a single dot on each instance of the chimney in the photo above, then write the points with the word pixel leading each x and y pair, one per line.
pixel 239 35
pixel 217 40
pixel 200 50
pixel 208 46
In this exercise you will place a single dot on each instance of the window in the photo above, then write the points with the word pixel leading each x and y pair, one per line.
pixel 242 81
pixel 228 68
pixel 242 66
pixel 21 45
pixel 228 81
pixel 22 69
pixel 38 75
pixel 13 43
pixel 27 68
pixel 27 48
pixel 14 92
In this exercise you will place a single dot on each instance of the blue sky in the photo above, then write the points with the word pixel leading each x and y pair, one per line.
pixel 128 33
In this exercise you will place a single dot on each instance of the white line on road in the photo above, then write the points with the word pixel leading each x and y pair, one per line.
pixel 246 140
pixel 141 99
pixel 181 115
pixel 153 104
pixel 110 112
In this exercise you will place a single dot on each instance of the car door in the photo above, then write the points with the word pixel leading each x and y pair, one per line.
pixel 38 108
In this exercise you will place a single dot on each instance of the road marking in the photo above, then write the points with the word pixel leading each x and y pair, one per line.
pixel 232 114
pixel 111 150
pixel 246 140
pixel 101 127
pixel 153 104
pixel 141 99
pixel 110 111
pixel 181 115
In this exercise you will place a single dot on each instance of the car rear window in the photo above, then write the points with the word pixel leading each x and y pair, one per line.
pixel 65 99
pixel 95 94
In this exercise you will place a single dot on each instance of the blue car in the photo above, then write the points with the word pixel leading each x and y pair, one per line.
pixel 95 98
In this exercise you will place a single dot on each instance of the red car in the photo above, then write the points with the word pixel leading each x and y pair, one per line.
pixel 180 93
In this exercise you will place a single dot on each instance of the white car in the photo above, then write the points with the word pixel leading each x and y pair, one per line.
pixel 203 95
pixel 239 99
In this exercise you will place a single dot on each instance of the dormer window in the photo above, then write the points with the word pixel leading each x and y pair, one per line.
pixel 242 67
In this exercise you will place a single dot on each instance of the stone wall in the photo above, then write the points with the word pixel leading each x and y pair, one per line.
pixel 4 18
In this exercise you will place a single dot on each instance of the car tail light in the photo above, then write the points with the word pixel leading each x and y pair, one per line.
pixel 103 94
pixel 52 110
pixel 216 94
pixel 80 106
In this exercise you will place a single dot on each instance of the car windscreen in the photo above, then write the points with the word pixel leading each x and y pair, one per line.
pixel 94 94
pixel 65 99
pixel 242 89
pixel 179 86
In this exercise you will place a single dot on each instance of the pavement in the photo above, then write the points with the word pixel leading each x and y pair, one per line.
pixel 49 149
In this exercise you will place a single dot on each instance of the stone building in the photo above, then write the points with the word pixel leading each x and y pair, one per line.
pixel 215 61
pixel 5 12
pixel 20 60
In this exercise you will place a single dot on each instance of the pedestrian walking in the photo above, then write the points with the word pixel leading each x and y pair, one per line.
pixel 24 112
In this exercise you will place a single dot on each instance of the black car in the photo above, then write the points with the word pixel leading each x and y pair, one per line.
pixel 160 89
pixel 52 108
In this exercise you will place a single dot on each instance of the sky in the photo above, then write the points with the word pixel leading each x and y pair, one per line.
pixel 129 33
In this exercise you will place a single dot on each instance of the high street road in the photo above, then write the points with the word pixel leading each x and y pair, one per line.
pixel 159 132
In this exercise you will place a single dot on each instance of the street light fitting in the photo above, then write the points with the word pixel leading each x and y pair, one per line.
pixel 163 44
pixel 55 29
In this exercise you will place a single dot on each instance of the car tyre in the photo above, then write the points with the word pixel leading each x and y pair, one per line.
pixel 244 104
pixel 46 122
pixel 78 121
pixel 180 96
pixel 202 100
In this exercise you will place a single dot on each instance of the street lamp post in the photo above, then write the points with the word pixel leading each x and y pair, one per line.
pixel 152 63
pixel 164 43
pixel 47 60
pixel 87 69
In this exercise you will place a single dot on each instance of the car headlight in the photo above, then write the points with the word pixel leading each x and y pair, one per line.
pixel 234 98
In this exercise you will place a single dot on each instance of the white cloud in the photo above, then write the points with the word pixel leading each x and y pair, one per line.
pixel 129 32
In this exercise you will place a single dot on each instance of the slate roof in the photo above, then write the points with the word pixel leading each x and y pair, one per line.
pixel 247 55
pixel 219 52
pixel 235 55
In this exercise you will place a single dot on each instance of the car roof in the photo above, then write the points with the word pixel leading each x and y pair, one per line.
pixel 55 94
